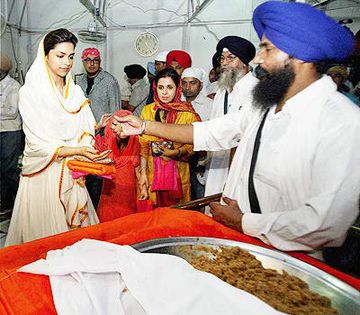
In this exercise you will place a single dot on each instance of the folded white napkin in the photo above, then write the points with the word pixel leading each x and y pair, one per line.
pixel 95 277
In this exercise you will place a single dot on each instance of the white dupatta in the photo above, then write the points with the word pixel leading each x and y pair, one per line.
pixel 51 120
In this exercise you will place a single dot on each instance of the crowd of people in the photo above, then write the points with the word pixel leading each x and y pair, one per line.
pixel 280 141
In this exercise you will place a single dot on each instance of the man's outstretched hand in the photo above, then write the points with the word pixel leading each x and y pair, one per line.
pixel 229 214
pixel 127 126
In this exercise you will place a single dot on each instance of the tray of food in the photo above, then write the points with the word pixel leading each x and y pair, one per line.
pixel 286 283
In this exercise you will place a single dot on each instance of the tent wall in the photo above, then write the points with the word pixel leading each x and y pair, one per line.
pixel 126 19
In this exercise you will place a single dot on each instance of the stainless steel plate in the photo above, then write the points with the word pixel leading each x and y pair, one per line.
pixel 344 298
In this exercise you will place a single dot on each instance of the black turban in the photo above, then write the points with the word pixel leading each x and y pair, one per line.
pixel 215 60
pixel 135 71
pixel 238 46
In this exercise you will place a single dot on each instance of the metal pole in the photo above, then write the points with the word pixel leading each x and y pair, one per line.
pixel 22 13
pixel 199 9
pixel 181 24
pixel 145 26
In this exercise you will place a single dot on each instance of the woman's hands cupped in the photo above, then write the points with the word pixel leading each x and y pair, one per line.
pixel 93 154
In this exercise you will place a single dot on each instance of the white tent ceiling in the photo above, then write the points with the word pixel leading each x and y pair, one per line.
pixel 193 25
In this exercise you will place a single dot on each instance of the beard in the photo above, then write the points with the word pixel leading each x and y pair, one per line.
pixel 228 79
pixel 272 87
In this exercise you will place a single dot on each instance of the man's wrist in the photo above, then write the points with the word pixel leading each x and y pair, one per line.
pixel 240 223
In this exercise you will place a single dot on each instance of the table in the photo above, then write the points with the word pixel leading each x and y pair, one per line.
pixel 31 294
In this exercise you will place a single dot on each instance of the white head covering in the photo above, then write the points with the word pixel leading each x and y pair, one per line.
pixel 51 120
pixel 161 56
pixel 193 72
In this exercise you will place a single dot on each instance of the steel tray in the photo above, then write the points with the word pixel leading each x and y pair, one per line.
pixel 344 298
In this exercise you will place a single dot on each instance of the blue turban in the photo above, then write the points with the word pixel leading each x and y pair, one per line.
pixel 151 68
pixel 303 31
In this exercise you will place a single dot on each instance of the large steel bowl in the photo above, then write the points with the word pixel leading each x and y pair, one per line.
pixel 344 298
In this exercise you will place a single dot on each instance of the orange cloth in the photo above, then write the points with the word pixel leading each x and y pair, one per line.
pixel 91 167
pixel 118 196
pixel 175 106
pixel 31 294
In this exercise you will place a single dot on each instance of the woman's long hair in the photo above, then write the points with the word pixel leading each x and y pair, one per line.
pixel 58 36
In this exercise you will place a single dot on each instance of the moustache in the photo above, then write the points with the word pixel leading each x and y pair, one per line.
pixel 261 73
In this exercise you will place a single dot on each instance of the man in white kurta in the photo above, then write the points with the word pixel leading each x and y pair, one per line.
pixel 306 175
pixel 11 135
pixel 235 54
pixel 299 154
pixel 193 92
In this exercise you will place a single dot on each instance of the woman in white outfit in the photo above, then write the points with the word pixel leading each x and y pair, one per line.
pixel 58 124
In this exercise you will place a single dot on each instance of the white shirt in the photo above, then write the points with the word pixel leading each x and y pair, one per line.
pixel 307 175
pixel 139 95
pixel 212 88
pixel 9 99
pixel 202 106
pixel 217 169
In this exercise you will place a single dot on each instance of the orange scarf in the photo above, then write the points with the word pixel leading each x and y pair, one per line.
pixel 175 106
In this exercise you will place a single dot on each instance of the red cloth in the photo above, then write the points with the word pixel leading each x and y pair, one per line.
pixel 118 196
pixel 144 205
pixel 182 57
pixel 90 52
pixel 31 294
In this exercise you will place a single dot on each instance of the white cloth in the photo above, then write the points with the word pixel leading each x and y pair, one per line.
pixel 211 88
pixel 161 56
pixel 202 106
pixel 218 167
pixel 49 201
pixel 10 119
pixel 94 277
pixel 307 175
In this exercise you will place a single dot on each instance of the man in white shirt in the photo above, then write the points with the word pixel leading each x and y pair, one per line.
pixel 193 91
pixel 160 63
pixel 235 84
pixel 294 181
pixel 11 135
pixel 192 88
pixel 139 88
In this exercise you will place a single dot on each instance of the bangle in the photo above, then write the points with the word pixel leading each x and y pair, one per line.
pixel 143 127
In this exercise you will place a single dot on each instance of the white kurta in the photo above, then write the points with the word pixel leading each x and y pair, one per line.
pixel 49 200
pixel 218 167
pixel 307 175
pixel 203 106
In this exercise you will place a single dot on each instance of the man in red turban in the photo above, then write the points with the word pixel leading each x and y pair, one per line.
pixel 179 60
